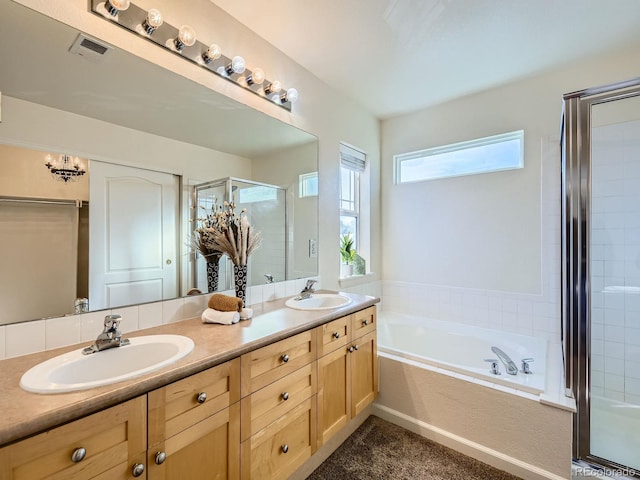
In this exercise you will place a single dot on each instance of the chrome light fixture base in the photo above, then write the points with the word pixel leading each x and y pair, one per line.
pixel 166 36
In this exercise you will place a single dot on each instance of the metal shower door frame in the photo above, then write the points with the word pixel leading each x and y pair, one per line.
pixel 576 227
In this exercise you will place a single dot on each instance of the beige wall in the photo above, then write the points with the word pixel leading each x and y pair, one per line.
pixel 480 231
pixel 320 110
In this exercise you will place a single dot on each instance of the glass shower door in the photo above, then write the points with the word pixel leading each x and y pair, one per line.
pixel 614 261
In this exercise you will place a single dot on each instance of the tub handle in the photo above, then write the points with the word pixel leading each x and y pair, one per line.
pixel 526 368
pixel 494 369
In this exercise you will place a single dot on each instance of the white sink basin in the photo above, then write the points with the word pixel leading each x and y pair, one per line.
pixel 74 371
pixel 318 301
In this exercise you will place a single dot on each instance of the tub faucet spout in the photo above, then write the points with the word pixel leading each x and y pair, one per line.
pixel 511 367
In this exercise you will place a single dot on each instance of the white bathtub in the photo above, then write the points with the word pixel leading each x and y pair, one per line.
pixel 459 348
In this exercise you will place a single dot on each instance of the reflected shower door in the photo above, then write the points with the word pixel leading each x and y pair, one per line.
pixel 614 261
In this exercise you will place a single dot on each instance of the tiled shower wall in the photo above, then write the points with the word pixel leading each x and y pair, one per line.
pixel 526 314
pixel 615 262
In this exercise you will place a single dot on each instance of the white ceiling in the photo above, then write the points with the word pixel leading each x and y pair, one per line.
pixel 396 56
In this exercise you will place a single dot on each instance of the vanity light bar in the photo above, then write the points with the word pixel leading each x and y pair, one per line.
pixel 137 20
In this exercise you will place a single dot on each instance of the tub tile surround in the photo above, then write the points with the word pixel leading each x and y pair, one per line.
pixel 36 336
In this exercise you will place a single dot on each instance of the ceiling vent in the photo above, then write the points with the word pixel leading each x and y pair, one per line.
pixel 90 48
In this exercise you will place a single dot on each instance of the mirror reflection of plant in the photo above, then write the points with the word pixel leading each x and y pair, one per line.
pixel 347 252
pixel 231 234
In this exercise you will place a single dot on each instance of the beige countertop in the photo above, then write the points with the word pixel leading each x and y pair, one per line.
pixel 24 413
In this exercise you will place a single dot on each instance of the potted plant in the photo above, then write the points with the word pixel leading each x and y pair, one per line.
pixel 202 242
pixel 348 255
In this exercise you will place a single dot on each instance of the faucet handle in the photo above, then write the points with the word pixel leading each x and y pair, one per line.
pixel 310 284
pixel 526 368
pixel 112 322
pixel 494 369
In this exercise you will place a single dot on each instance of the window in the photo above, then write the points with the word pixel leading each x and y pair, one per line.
pixel 308 184
pixel 489 154
pixel 352 164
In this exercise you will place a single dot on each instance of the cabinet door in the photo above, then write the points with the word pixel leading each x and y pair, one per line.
pixel 113 441
pixel 334 393
pixel 364 372
pixel 278 450
pixel 208 450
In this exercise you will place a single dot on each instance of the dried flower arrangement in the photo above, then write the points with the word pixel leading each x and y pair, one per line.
pixel 203 235
pixel 229 233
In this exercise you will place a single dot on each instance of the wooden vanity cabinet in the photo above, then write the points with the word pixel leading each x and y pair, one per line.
pixel 279 407
pixel 106 445
pixel 347 370
pixel 194 426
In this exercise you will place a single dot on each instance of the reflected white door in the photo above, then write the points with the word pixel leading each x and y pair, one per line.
pixel 132 233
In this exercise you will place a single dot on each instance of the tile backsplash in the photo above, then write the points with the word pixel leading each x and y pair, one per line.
pixel 39 335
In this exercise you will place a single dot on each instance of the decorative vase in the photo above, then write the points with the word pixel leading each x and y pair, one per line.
pixel 212 276
pixel 240 277
pixel 346 270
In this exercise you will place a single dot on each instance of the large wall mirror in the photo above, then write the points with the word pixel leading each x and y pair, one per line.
pixel 158 150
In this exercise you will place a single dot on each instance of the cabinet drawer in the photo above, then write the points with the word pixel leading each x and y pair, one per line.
pixel 363 322
pixel 114 440
pixel 268 364
pixel 181 404
pixel 279 449
pixel 333 335
pixel 267 404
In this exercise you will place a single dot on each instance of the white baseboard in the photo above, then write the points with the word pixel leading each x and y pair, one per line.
pixel 472 449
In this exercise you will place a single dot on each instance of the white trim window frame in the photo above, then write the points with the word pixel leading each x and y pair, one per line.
pixel 484 155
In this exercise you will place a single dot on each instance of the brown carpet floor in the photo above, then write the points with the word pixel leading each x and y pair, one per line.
pixel 381 450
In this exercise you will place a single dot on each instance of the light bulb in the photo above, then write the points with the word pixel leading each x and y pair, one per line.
pixel 291 95
pixel 153 21
pixel 273 87
pixel 212 53
pixel 115 6
pixel 236 66
pixel 256 77
pixel 186 37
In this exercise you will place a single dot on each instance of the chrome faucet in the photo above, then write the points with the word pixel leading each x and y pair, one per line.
pixel 110 337
pixel 511 367
pixel 307 290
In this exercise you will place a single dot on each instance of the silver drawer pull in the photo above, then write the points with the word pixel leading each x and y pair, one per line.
pixel 350 349
pixel 355 347
pixel 284 448
pixel 336 334
pixel 201 397
pixel 365 322
pixel 78 455
pixel 285 396
pixel 285 358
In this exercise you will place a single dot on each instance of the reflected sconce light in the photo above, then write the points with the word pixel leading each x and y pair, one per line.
pixel 153 21
pixel 65 168
pixel 115 6
pixel 183 41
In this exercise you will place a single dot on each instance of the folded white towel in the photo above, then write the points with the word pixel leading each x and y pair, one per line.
pixel 246 313
pixel 214 316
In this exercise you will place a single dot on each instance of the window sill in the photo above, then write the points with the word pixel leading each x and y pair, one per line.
pixel 353 280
